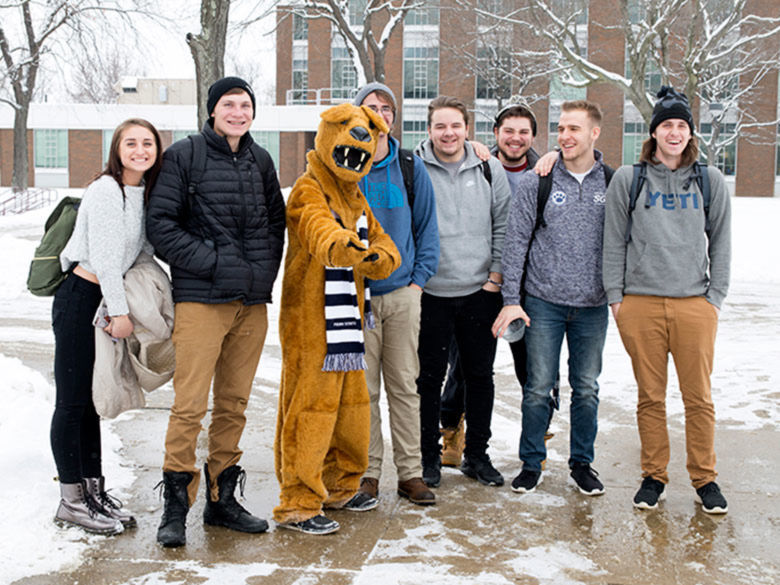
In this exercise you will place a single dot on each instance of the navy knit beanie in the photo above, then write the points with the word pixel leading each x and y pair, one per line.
pixel 671 104
pixel 224 85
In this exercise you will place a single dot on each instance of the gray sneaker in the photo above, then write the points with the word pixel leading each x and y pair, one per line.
pixel 361 502
pixel 77 508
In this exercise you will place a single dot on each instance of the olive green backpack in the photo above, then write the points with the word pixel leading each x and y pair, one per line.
pixel 46 274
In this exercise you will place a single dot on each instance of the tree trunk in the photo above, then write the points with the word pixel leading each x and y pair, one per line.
pixel 208 50
pixel 20 148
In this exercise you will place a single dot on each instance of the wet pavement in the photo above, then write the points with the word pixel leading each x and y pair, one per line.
pixel 475 534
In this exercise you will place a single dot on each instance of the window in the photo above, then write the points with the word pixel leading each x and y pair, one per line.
pixel 727 156
pixel 269 141
pixel 357 11
pixel 495 80
pixel 421 72
pixel 300 73
pixel 182 134
pixel 653 79
pixel 343 76
pixel 423 16
pixel 777 148
pixel 634 135
pixel 107 136
pixel 51 149
pixel 415 131
pixel 300 26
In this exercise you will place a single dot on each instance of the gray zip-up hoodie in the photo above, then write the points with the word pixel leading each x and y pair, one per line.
pixel 472 222
pixel 668 254
pixel 564 266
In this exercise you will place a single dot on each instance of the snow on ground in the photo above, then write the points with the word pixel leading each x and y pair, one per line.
pixel 745 353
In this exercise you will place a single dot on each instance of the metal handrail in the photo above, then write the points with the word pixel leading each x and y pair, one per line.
pixel 27 200
pixel 319 97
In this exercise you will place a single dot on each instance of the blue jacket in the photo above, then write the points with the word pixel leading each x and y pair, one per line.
pixel 418 240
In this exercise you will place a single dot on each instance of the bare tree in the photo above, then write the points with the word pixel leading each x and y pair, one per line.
pixel 28 33
pixel 96 71
pixel 208 49
pixel 357 22
pixel 715 49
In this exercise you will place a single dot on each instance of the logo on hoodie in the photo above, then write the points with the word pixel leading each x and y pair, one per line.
pixel 558 197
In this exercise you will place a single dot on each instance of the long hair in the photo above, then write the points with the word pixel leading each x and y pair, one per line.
pixel 689 155
pixel 114 166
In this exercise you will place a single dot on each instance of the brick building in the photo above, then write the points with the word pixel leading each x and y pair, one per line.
pixel 423 61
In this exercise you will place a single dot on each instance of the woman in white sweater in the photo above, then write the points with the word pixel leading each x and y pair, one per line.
pixel 108 236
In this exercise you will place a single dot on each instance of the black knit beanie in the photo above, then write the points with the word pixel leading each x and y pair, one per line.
pixel 224 85
pixel 671 104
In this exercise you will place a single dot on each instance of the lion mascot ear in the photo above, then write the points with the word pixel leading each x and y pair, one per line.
pixel 346 140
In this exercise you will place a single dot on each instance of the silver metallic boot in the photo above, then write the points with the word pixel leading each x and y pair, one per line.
pixel 77 508
pixel 110 505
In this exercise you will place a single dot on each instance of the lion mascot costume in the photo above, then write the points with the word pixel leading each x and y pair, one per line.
pixel 335 243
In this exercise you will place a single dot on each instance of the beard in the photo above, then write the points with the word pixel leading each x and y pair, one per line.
pixel 512 160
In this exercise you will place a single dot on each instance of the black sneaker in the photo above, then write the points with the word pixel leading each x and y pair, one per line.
pixel 361 502
pixel 586 478
pixel 317 525
pixel 526 481
pixel 481 469
pixel 650 493
pixel 711 500
pixel 431 471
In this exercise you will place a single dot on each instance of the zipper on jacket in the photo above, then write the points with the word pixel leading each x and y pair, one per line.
pixel 242 222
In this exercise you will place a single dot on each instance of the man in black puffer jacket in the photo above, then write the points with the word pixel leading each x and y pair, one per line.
pixel 221 229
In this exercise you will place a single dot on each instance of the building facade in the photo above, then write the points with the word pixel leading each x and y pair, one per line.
pixel 426 58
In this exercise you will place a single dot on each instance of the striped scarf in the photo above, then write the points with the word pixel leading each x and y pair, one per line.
pixel 343 330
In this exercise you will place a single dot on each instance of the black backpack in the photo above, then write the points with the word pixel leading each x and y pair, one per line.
pixel 701 175
pixel 46 274
pixel 406 162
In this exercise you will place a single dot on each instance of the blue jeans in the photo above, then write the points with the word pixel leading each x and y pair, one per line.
pixel 586 330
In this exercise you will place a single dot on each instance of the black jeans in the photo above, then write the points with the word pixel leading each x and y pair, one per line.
pixel 468 319
pixel 75 426
pixel 453 399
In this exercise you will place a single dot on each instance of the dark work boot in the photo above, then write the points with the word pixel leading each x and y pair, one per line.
pixel 174 520
pixel 110 505
pixel 226 511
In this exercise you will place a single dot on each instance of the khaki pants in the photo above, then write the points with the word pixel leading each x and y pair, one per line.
pixel 391 354
pixel 651 328
pixel 222 342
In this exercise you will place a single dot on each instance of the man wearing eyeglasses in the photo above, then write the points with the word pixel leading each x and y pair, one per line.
pixel 400 194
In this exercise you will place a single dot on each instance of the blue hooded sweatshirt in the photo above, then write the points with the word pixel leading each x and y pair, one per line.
pixel 418 239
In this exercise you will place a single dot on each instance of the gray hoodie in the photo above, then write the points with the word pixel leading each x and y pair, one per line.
pixel 668 254
pixel 472 220
pixel 564 266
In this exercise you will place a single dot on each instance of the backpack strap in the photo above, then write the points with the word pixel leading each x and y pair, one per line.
pixel 542 195
pixel 608 172
pixel 703 180
pixel 406 162
pixel 198 161
pixel 640 173
pixel 487 172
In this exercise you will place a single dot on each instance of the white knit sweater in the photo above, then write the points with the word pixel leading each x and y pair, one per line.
pixel 108 236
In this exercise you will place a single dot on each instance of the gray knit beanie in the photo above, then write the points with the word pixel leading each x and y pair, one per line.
pixel 371 88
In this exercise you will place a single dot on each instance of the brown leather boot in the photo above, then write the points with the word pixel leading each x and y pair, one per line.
pixel 416 492
pixel 370 486
pixel 453 441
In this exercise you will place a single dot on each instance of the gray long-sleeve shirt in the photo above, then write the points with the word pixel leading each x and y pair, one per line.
pixel 669 254
pixel 564 266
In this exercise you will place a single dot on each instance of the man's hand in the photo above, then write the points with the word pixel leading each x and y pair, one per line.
pixel 615 308
pixel 508 314
pixel 482 151
pixel 546 163
pixel 415 286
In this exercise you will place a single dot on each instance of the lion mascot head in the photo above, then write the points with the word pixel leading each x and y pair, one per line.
pixel 346 140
